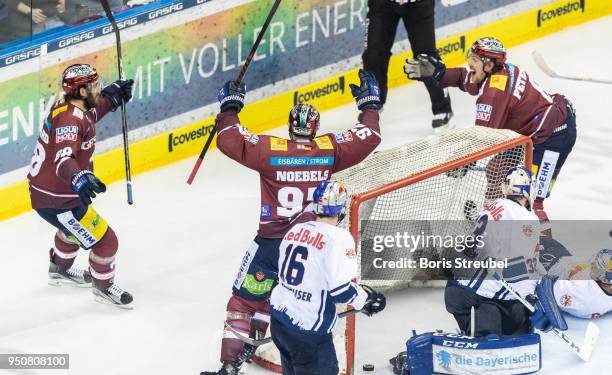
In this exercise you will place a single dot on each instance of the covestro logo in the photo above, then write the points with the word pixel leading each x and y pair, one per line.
pixel 560 11
pixel 175 140
pixel 304 97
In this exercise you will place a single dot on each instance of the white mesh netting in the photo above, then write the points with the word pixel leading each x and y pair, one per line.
pixel 428 188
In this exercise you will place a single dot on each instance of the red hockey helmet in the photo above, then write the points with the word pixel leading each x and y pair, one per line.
pixel 303 121
pixel 489 49
pixel 76 76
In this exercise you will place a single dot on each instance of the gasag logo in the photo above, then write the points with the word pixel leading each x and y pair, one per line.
pixel 456 46
pixel 305 97
pixel 560 11
pixel 179 139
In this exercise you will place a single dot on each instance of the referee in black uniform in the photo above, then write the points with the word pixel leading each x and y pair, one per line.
pixel 418 18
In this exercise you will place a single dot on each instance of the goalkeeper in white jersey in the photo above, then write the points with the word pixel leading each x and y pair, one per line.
pixel 511 231
pixel 317 266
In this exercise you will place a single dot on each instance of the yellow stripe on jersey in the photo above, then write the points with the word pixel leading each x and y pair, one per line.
pixel 58 110
pixel 324 143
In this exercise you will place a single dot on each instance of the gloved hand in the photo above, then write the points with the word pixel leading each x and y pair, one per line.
pixel 232 96
pixel 86 184
pixel 375 302
pixel 118 90
pixel 424 67
pixel 367 94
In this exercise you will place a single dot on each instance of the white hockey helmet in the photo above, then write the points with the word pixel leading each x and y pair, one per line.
pixel 519 182
pixel 330 199
pixel 601 266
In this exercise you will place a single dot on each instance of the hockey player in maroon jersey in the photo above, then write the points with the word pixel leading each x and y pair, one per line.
pixel 290 171
pixel 509 99
pixel 61 186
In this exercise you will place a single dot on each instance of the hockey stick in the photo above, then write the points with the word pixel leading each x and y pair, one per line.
pixel 238 80
pixel 126 150
pixel 590 337
pixel 263 341
pixel 541 63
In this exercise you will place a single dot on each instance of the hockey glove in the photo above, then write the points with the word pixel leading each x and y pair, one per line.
pixel 424 67
pixel 367 94
pixel 375 303
pixel 119 90
pixel 87 185
pixel 547 314
pixel 232 96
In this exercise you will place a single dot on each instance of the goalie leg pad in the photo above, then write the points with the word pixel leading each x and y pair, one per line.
pixel 548 314
pixel 447 353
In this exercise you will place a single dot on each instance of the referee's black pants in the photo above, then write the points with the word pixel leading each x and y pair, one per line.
pixel 382 21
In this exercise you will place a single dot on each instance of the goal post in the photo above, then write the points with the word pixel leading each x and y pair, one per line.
pixel 433 179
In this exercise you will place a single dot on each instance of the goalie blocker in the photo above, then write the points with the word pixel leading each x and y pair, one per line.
pixel 448 353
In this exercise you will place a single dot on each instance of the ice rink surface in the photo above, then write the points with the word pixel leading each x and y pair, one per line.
pixel 180 245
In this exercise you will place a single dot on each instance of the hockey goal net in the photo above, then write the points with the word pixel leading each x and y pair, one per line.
pixel 439 180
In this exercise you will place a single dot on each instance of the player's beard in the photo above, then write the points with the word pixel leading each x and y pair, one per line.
pixel 90 101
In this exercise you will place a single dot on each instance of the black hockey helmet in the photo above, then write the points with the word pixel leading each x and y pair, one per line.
pixel 303 121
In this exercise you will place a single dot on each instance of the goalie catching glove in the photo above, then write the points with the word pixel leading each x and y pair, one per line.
pixel 375 302
pixel 424 67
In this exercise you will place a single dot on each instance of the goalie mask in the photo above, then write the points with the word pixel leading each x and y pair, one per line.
pixel 601 266
pixel 303 122
pixel 330 199
pixel 519 182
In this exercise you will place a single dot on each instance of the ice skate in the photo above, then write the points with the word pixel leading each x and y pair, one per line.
pixel 441 122
pixel 72 276
pixel 113 296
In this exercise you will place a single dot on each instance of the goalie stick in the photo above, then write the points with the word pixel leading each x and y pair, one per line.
pixel 124 129
pixel 590 337
pixel 258 342
pixel 243 71
pixel 541 63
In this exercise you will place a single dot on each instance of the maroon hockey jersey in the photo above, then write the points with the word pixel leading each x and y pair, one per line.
pixel 509 99
pixel 65 145
pixel 290 171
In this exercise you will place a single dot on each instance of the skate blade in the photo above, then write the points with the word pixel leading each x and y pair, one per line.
pixel 69 283
pixel 105 301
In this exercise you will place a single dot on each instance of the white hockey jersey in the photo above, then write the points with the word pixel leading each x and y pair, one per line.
pixel 516 239
pixel 577 294
pixel 316 267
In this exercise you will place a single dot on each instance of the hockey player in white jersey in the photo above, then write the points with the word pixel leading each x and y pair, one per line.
pixel 584 290
pixel 317 266
pixel 516 239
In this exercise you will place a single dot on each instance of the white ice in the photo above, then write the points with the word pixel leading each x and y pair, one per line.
pixel 180 245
